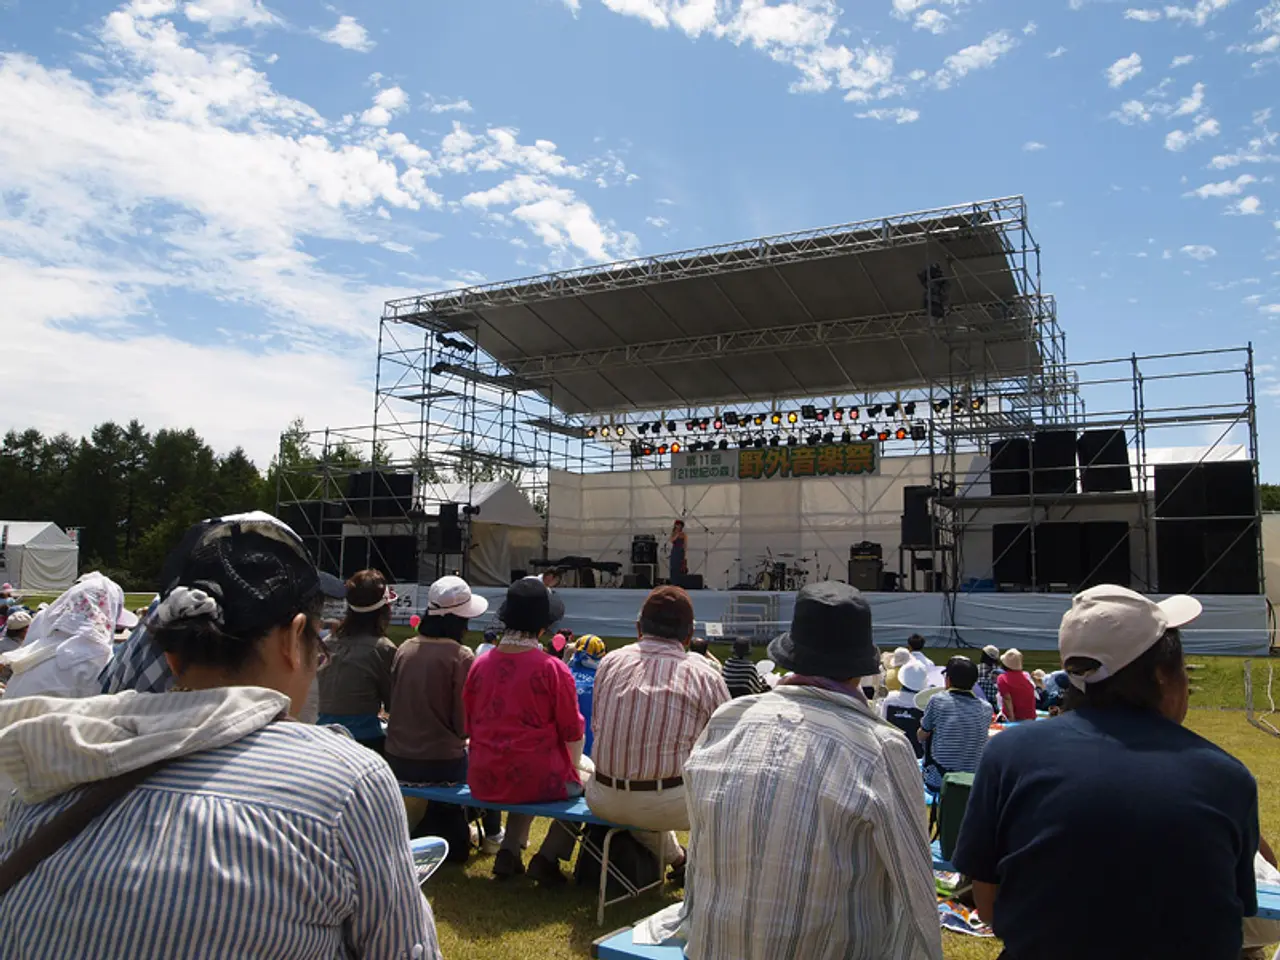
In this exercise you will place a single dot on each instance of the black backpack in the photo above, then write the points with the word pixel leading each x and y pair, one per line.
pixel 627 855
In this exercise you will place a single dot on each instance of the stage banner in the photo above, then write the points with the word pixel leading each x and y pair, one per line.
pixel 406 605
pixel 781 462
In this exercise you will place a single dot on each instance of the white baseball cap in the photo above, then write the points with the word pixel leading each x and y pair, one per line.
pixel 1114 625
pixel 451 595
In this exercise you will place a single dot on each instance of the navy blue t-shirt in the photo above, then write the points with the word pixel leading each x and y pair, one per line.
pixel 1112 834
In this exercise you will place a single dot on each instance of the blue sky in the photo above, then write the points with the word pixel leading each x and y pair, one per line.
pixel 203 204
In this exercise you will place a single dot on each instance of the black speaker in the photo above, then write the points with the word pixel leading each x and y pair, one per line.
pixel 1053 462
pixel 1057 553
pixel 1231 557
pixel 448 515
pixel 444 540
pixel 917 521
pixel 687 581
pixel 396 557
pixel 1105 553
pixel 1011 467
pixel 1104 462
pixel 644 549
pixel 866 574
pixel 376 493
pixel 1179 490
pixel 1011 554
pixel 325 552
pixel 304 517
pixel 1229 489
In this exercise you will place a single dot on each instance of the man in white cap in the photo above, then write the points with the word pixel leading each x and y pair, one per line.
pixel 1112 831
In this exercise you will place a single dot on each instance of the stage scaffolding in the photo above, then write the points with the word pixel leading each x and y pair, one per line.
pixel 515 380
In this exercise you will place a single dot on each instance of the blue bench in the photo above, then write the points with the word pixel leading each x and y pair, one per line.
pixel 571 811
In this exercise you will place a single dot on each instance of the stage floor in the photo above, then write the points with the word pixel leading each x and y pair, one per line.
pixel 1229 626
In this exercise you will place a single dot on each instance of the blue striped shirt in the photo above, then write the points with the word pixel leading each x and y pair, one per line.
pixel 959 723
pixel 289 843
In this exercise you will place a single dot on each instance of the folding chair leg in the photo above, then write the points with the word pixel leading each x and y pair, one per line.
pixel 604 875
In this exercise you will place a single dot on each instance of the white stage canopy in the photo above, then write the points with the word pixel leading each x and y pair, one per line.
pixel 506 533
pixel 37 556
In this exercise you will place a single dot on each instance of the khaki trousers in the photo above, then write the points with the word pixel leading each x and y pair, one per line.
pixel 659 812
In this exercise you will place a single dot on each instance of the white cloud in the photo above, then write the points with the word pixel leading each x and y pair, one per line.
pixel 1142 15
pixel 1181 61
pixel 1030 28
pixel 1033 146
pixel 220 15
pixel 1270 309
pixel 386 104
pixel 1057 204
pixel 896 114
pixel 1268 23
pixel 658 222
pixel 1226 188
pixel 979 56
pixel 395 247
pixel 935 21
pixel 1056 52
pixel 1124 70
pixel 1191 104
pixel 1258 150
pixel 349 34
pixel 1246 207
pixel 1199 14
pixel 448 106
pixel 648 10
pixel 1178 140
pixel 1131 112
pixel 1198 251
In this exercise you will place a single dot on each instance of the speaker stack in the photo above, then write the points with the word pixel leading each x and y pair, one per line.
pixel 917 519
pixel 446 536
pixel 1206 528
pixel 644 562
pixel 1067 555
pixel 866 566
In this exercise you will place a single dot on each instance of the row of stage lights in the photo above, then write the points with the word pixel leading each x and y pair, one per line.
pixel 647 448
pixel 807 414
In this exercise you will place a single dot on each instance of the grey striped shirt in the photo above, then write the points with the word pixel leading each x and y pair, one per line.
pixel 808 837
pixel 289 843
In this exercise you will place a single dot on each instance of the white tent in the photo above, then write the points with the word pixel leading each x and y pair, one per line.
pixel 506 533
pixel 37 556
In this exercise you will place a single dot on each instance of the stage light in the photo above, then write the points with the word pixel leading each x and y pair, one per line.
pixel 657 427
pixel 591 432
pixel 939 406
pixel 815 439
pixel 775 419
pixel 718 424
pixel 691 425
pixel 643 428
pixel 439 368
pixel 773 441
pixel 675 447
pixel 882 436
pixel 744 442
pixel 731 419
pixel 671 426
pixel 977 403
pixel 875 411
pixel 837 414
pixel 706 422
pixel 846 437
pixel 865 433
pixel 891 410
pixel 604 431
pixel 900 433
pixel 759 420
pixel 957 406
pixel 759 442
pixel 828 437
pixel 822 416
pixel 809 412
pixel 854 413
pixel 919 432
pixel 662 450
pixel 909 408
pixel 724 444
pixel 792 417
pixel 792 440
pixel 648 450
pixel 620 429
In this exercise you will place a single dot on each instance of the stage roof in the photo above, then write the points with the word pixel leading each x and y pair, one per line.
pixel 833 311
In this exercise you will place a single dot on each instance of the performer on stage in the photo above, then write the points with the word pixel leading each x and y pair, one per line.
pixel 679 545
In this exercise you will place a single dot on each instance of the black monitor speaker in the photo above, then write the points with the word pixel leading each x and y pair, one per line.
pixel 1105 553
pixel 644 549
pixel 1053 462
pixel 444 540
pixel 1011 467
pixel 1104 461
pixel 448 515
pixel 917 520
pixel 1057 554
pixel 1011 554
pixel 866 574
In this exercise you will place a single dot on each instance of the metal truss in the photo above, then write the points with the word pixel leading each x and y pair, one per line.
pixel 990 216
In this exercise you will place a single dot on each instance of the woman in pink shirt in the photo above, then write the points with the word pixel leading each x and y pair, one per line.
pixel 1017 691
pixel 526 732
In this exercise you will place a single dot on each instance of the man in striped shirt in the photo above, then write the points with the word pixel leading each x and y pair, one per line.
pixel 955 725
pixel 740 674
pixel 808 837
pixel 651 701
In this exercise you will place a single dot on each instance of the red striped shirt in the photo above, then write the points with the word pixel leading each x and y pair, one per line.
pixel 651 702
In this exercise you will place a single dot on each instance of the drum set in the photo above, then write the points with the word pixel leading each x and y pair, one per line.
pixel 780 572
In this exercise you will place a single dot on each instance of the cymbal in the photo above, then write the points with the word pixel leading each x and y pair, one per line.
pixel 785 556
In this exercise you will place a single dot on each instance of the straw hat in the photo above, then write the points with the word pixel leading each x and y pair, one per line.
pixel 1012 658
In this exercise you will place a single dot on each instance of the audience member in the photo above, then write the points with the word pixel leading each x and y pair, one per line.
pixel 68 644
pixel 954 728
pixel 900 708
pixel 654 700
pixel 228 834
pixel 740 675
pixel 526 732
pixel 701 647
pixel 989 671
pixel 355 685
pixel 15 630
pixel 915 647
pixel 891 663
pixel 808 837
pixel 427 730
pixel 1017 692
pixel 1037 679
pixel 583 665
pixel 1056 685
pixel 1114 811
